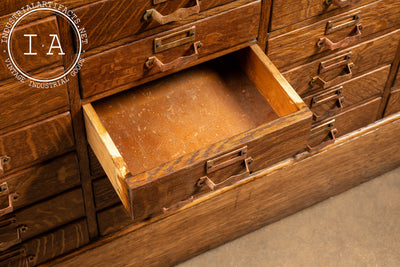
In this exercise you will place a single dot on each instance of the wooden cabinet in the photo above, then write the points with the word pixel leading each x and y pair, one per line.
pixel 178 116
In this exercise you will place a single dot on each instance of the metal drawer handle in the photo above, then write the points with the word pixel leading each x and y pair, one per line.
pixel 339 79
pixel 10 208
pixel 324 41
pixel 341 3
pixel 229 181
pixel 217 164
pixel 320 99
pixel 177 63
pixel 7 244
pixel 328 127
pixel 3 161
pixel 15 256
pixel 177 15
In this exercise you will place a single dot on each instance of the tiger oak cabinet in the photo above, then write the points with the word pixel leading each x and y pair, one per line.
pixel 192 123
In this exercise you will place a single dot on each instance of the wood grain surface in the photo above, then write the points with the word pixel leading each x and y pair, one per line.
pixel 299 46
pixel 365 57
pixel 125 18
pixel 44 216
pixel 104 193
pixel 41 181
pixel 113 219
pixel 40 141
pixel 285 13
pixel 215 33
pixel 19 102
pixel 353 92
pixel 264 198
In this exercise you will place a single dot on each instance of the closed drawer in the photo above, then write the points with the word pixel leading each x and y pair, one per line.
pixel 285 13
pixel 335 69
pixel 39 182
pixel 39 218
pixel 324 133
pixel 176 49
pixel 20 43
pixel 324 37
pixel 104 194
pixel 113 219
pixel 96 170
pixel 40 141
pixel 171 140
pixel 339 98
pixel 20 102
pixel 134 17
pixel 393 104
pixel 47 246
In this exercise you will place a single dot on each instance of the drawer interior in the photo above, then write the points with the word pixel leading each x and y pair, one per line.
pixel 163 132
pixel 179 114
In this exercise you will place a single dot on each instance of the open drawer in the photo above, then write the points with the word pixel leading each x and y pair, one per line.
pixel 167 142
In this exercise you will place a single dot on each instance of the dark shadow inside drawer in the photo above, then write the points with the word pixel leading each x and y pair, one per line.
pixel 201 129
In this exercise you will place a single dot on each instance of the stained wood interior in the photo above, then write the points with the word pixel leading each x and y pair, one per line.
pixel 163 120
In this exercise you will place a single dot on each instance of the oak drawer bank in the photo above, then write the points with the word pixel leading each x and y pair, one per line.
pixel 200 136
pixel 202 129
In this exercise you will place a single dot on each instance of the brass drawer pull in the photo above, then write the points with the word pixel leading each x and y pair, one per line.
pixel 177 63
pixel 177 15
pixel 4 190
pixel 8 225
pixel 339 79
pixel 214 165
pixel 341 3
pixel 326 42
pixel 3 161
pixel 335 94
pixel 229 181
pixel 328 127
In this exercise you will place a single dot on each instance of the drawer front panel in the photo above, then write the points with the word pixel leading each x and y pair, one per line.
pixel 19 102
pixel 364 57
pixel 324 133
pixel 41 217
pixel 339 98
pixel 45 139
pixel 285 13
pixel 125 64
pixel 113 219
pixel 39 182
pixel 133 17
pixel 393 104
pixel 48 246
pixel 104 194
pixel 95 167
pixel 311 42
pixel 42 28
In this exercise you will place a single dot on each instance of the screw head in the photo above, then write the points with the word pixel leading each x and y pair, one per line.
pixel 5 160
pixel 15 197
pixel 209 166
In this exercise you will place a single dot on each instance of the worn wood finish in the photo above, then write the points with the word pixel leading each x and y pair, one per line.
pixel 364 57
pixel 47 246
pixel 351 93
pixel 147 195
pixel 393 104
pixel 113 219
pixel 346 122
pixel 300 45
pixel 215 33
pixel 20 45
pixel 264 24
pixel 285 13
pixel 127 18
pixel 19 102
pixel 42 181
pixel 42 217
pixel 264 198
pixel 40 141
pixel 104 194
pixel 397 80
